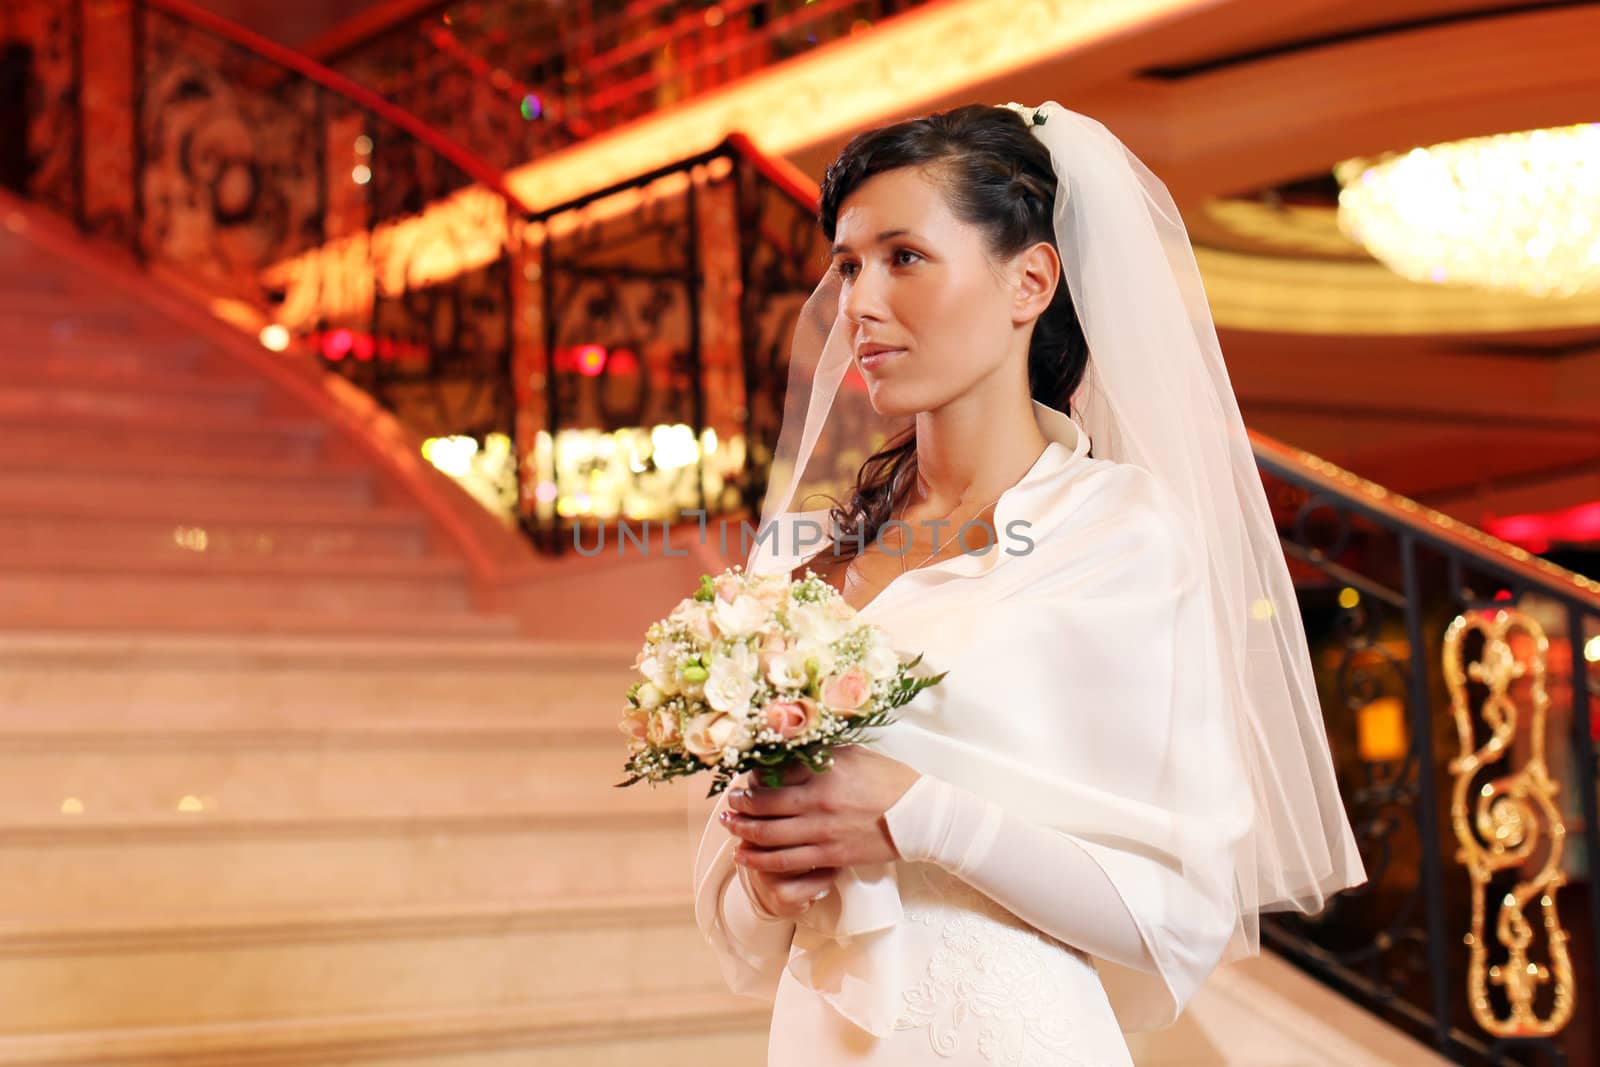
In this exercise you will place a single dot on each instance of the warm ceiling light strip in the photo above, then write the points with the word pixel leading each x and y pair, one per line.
pixel 897 67
pixel 1251 292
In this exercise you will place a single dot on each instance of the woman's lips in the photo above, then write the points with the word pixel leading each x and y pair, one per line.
pixel 875 359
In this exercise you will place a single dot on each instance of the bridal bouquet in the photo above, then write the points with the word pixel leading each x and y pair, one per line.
pixel 753 671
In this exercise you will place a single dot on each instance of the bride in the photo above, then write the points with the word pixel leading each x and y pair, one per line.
pixel 1125 764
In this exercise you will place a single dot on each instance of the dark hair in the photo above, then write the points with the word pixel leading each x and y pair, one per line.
pixel 996 175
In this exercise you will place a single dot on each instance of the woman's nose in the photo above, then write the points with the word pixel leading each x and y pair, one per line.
pixel 864 299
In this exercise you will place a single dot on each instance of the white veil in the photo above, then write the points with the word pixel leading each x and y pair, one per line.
pixel 1156 394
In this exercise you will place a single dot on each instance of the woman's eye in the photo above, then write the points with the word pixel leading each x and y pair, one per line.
pixel 900 257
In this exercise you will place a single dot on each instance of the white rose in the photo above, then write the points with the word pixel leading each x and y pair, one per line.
pixel 818 623
pixel 732 680
pixel 787 670
pixel 881 662
pixel 659 674
pixel 743 616
pixel 822 654
pixel 650 698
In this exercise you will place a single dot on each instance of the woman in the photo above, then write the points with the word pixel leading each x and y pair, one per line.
pixel 1125 764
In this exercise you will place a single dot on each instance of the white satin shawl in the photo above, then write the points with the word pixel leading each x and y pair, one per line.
pixel 1084 693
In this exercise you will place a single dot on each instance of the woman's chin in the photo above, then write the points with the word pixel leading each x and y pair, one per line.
pixel 891 402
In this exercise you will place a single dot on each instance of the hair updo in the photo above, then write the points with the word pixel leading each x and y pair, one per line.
pixel 995 175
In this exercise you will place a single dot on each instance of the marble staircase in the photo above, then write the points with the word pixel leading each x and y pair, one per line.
pixel 276 785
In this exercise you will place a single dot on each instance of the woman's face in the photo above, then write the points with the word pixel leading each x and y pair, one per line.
pixel 919 284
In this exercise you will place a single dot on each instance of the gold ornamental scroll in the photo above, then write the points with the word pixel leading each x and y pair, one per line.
pixel 1502 825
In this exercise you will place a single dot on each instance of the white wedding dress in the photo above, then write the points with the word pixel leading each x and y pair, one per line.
pixel 1055 887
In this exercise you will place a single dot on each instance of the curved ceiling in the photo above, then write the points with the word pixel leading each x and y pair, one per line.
pixel 1476 403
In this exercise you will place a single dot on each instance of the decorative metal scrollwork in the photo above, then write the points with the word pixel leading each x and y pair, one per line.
pixel 1502 827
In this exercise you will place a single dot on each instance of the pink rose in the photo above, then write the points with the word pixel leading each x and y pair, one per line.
pixel 791 718
pixel 773 642
pixel 662 729
pixel 728 587
pixel 635 728
pixel 707 734
pixel 848 690
pixel 700 624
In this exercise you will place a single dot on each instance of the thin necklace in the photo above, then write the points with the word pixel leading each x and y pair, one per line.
pixel 946 544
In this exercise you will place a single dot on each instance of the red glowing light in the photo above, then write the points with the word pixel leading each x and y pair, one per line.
pixel 1575 525
pixel 587 360
pixel 336 345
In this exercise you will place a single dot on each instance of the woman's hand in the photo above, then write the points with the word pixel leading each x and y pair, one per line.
pixel 815 823
pixel 785 896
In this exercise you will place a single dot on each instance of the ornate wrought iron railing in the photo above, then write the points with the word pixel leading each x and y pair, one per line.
pixel 619 351
pixel 1461 689
pixel 518 79
pixel 654 358
pixel 216 156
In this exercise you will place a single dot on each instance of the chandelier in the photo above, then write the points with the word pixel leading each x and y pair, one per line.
pixel 1516 211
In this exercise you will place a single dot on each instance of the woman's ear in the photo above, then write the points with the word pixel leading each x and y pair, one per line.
pixel 1037 272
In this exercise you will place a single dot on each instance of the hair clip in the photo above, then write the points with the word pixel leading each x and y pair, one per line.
pixel 1031 115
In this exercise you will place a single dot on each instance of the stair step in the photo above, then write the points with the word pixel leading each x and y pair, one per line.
pixel 91 974
pixel 458 767
pixel 66 350
pixel 259 437
pixel 49 393
pixel 79 525
pixel 181 622
pixel 83 325
pixel 195 863
pixel 249 679
pixel 180 482
pixel 55 310
pixel 72 586
pixel 673 1029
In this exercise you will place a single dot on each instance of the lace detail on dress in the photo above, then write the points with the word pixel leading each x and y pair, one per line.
pixel 988 965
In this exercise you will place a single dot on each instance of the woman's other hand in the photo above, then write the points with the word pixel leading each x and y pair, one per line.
pixel 785 896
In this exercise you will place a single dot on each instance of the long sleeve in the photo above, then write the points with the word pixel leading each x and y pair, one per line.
pixel 1042 876
pixel 751 947
pixel 759 934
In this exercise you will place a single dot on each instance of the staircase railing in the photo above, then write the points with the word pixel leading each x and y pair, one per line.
pixel 212 154
pixel 1460 683
pixel 262 182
